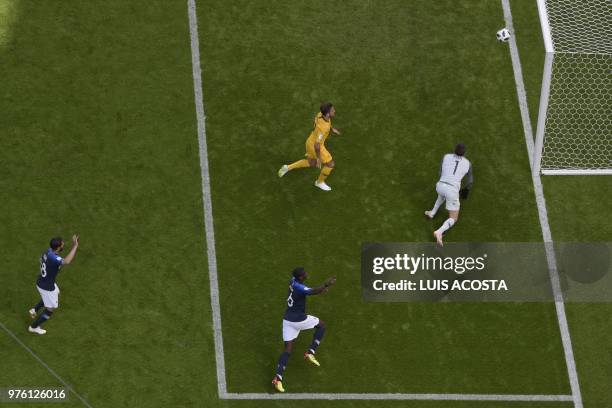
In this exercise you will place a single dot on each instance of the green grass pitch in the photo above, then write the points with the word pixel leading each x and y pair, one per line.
pixel 98 131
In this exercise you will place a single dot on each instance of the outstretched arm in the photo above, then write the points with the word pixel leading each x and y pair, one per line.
pixel 73 250
pixel 469 180
pixel 323 288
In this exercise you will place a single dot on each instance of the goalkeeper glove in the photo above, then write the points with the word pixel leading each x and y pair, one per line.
pixel 464 192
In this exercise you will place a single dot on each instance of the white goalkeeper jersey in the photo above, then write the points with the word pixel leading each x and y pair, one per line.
pixel 454 168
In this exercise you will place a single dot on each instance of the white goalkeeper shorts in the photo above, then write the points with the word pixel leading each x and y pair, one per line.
pixel 450 194
pixel 50 298
pixel 292 329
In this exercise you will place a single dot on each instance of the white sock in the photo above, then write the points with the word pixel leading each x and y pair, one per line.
pixel 447 224
pixel 437 205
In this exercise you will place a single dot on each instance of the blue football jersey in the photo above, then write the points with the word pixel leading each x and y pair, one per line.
pixel 50 264
pixel 296 301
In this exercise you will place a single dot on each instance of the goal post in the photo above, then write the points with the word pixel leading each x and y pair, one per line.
pixel 574 129
pixel 544 98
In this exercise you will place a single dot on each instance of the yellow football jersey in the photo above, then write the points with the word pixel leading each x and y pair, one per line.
pixel 321 130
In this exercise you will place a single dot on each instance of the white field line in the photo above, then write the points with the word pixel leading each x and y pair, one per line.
pixel 49 369
pixel 392 396
pixel 214 286
pixel 543 215
pixel 207 201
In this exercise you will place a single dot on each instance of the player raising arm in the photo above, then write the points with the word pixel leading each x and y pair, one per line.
pixel 316 153
pixel 296 320
pixel 50 264
pixel 452 170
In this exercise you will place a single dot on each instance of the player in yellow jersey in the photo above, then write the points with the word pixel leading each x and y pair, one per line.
pixel 316 153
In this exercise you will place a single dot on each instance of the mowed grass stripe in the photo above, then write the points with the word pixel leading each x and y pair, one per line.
pixel 575 214
pixel 99 138
pixel 543 214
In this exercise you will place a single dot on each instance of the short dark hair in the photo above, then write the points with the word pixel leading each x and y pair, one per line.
pixel 326 107
pixel 298 272
pixel 56 242
pixel 460 149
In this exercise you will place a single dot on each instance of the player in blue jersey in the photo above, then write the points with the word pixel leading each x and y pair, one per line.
pixel 50 264
pixel 296 320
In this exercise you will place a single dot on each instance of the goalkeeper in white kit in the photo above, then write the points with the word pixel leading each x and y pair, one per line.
pixel 453 168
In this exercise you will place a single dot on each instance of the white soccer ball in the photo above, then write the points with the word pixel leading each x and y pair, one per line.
pixel 503 35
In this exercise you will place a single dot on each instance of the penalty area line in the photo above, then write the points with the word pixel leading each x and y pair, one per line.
pixel 206 198
pixel 399 397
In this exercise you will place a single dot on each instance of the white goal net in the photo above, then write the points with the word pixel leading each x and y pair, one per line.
pixel 574 134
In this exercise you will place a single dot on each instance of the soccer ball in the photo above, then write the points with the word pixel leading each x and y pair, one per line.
pixel 503 35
